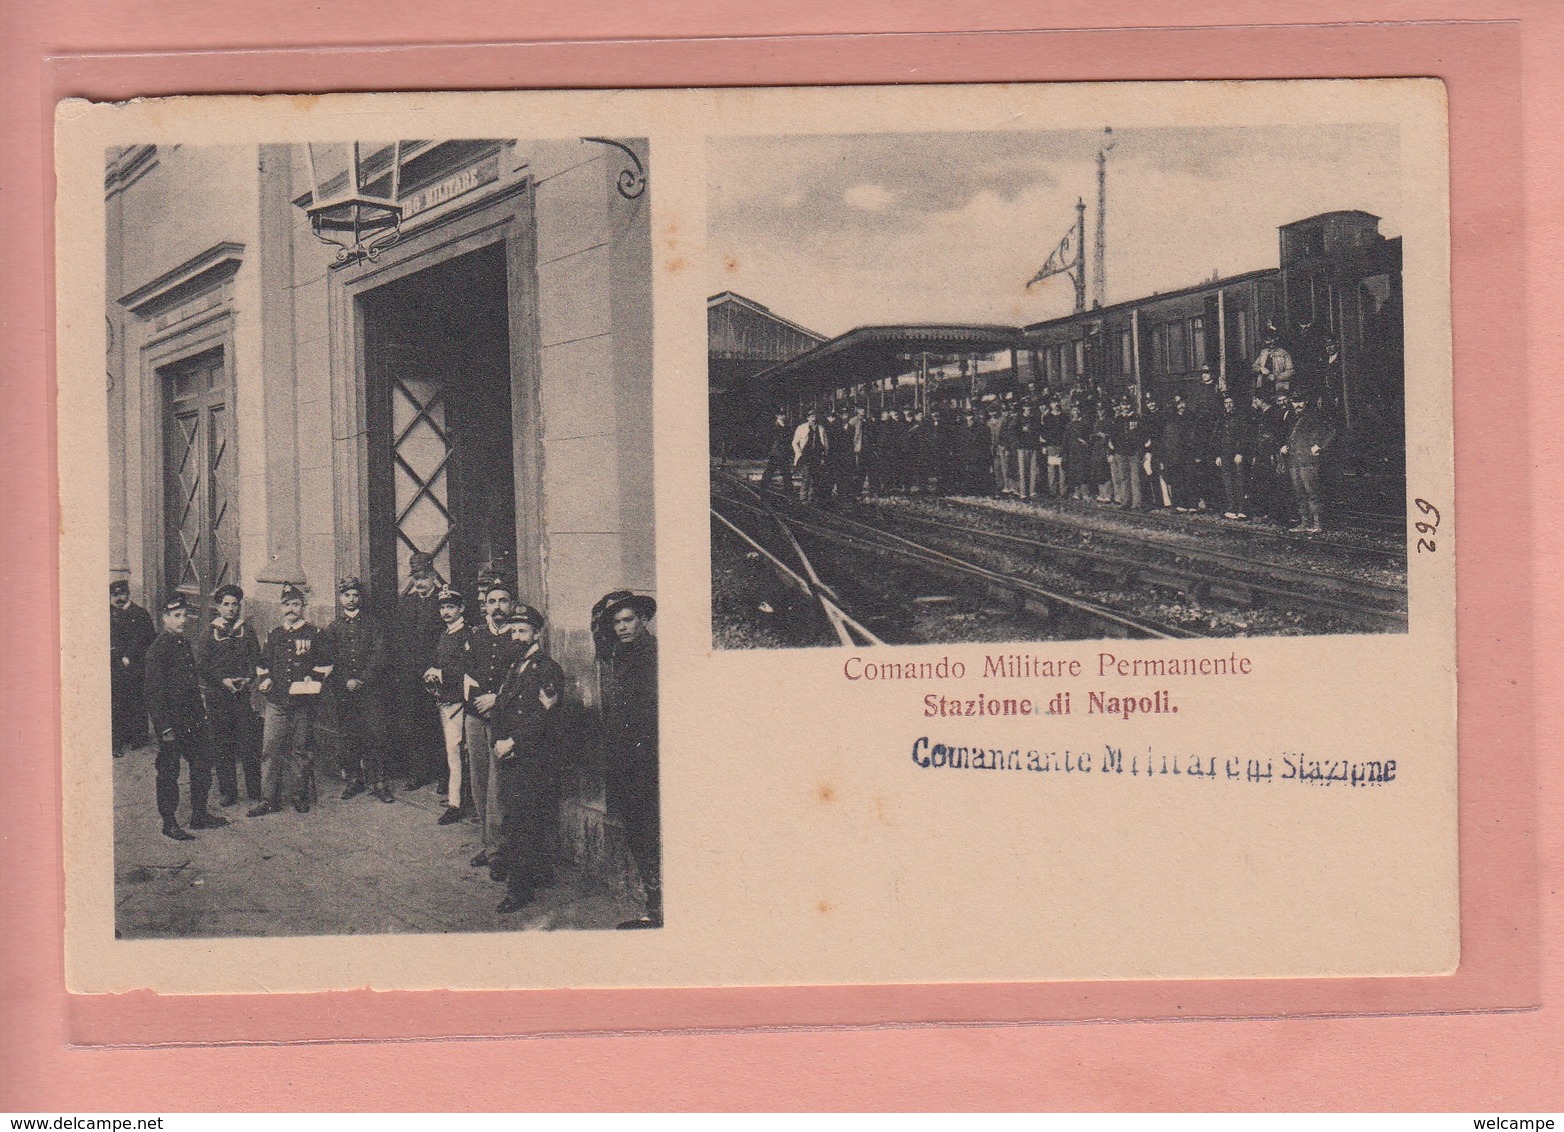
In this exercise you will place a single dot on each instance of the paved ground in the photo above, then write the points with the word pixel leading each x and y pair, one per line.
pixel 344 868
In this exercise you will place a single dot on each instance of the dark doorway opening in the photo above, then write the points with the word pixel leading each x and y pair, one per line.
pixel 438 386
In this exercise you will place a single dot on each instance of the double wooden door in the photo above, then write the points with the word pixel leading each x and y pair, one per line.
pixel 201 513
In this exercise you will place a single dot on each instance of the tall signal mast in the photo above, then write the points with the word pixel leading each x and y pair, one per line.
pixel 1099 249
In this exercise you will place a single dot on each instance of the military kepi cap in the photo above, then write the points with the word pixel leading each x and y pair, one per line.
pixel 451 596
pixel 420 564
pixel 348 584
pixel 524 614
pixel 175 601
pixel 291 592
pixel 119 586
pixel 229 590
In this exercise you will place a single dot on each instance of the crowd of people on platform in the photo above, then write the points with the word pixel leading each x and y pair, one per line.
pixel 1254 452
pixel 462 697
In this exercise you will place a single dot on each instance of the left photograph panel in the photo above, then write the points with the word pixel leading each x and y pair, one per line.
pixel 382 585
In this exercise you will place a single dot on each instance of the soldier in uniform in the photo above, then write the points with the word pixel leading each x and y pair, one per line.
pixel 130 635
pixel 173 692
pixel 525 755
pixel 630 719
pixel 295 662
pixel 226 654
pixel 418 630
pixel 357 648
pixel 443 683
pixel 489 650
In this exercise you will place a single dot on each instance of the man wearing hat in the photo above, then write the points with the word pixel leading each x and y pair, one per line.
pixel 130 635
pixel 226 653
pixel 1273 367
pixel 490 650
pixel 443 683
pixel 525 753
pixel 629 679
pixel 1308 440
pixel 295 662
pixel 418 630
pixel 357 648
pixel 178 716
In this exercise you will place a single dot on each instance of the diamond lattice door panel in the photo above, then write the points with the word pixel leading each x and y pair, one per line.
pixel 201 518
pixel 421 456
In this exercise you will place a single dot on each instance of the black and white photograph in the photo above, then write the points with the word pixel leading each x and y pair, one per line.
pixel 382 585
pixel 1069 384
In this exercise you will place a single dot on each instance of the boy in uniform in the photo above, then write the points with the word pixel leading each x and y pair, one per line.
pixel 226 654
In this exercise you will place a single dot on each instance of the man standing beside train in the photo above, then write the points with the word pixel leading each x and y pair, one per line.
pixel 1308 441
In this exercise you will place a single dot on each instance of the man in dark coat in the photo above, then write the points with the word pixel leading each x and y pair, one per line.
pixel 226 654
pixel 1308 441
pixel 629 671
pixel 1235 449
pixel 417 631
pixel 357 647
pixel 173 692
pixel 295 662
pixel 525 755
pixel 779 456
pixel 130 635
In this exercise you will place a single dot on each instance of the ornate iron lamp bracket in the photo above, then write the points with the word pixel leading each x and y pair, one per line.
pixel 631 182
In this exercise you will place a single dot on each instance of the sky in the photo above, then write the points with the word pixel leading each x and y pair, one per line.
pixel 840 231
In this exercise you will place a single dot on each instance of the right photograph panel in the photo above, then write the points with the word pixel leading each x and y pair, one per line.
pixel 1057 385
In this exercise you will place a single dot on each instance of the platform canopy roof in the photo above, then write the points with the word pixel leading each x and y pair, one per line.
pixel 873 353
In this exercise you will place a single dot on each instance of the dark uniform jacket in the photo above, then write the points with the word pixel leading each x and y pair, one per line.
pixel 357 648
pixel 487 657
pixel 450 657
pixel 226 652
pixel 173 689
pixel 1236 434
pixel 1310 429
pixel 130 635
pixel 630 698
pixel 418 631
pixel 519 712
pixel 293 654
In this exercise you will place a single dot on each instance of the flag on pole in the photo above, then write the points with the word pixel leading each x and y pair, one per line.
pixel 1060 260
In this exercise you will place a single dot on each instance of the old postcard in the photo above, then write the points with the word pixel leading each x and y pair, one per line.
pixel 1051 576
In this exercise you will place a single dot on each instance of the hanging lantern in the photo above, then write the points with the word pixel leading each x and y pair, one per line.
pixel 343 212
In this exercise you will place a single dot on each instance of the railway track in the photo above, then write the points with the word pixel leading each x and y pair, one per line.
pixel 1196 571
pixel 746 512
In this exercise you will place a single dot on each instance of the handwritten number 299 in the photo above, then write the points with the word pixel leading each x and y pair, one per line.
pixel 1427 526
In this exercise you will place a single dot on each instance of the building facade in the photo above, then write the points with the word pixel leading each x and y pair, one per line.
pixel 480 389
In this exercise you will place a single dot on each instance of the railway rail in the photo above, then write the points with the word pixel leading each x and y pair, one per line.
pixel 1200 572
pixel 741 509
